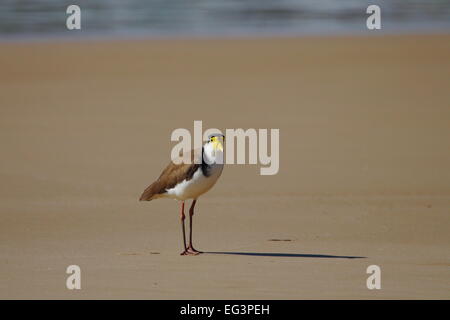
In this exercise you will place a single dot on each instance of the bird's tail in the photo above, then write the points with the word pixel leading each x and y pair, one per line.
pixel 148 193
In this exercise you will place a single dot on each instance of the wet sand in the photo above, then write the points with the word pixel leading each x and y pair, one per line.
pixel 364 168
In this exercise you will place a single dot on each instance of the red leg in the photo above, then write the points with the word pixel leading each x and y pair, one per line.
pixel 182 217
pixel 191 213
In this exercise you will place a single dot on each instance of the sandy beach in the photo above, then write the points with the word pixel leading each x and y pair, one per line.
pixel 364 173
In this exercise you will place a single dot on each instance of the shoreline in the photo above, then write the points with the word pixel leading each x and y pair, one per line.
pixel 99 38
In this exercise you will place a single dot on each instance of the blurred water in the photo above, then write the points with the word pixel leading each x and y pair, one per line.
pixel 47 18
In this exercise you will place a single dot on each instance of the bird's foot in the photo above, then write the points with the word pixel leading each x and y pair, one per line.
pixel 190 251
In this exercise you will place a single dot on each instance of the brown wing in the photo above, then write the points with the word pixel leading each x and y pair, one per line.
pixel 170 177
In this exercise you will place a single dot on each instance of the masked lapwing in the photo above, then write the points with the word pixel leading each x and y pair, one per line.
pixel 190 180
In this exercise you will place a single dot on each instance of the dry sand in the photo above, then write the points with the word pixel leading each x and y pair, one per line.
pixel 364 172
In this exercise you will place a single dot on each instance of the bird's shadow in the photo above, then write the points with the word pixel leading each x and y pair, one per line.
pixel 286 255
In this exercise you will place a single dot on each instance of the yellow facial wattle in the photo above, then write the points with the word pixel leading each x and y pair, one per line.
pixel 217 145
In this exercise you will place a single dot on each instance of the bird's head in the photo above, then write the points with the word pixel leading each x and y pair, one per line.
pixel 216 141
pixel 214 149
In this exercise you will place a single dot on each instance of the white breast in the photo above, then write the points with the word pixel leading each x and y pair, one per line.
pixel 197 185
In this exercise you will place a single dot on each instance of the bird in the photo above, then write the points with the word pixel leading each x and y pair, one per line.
pixel 184 181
